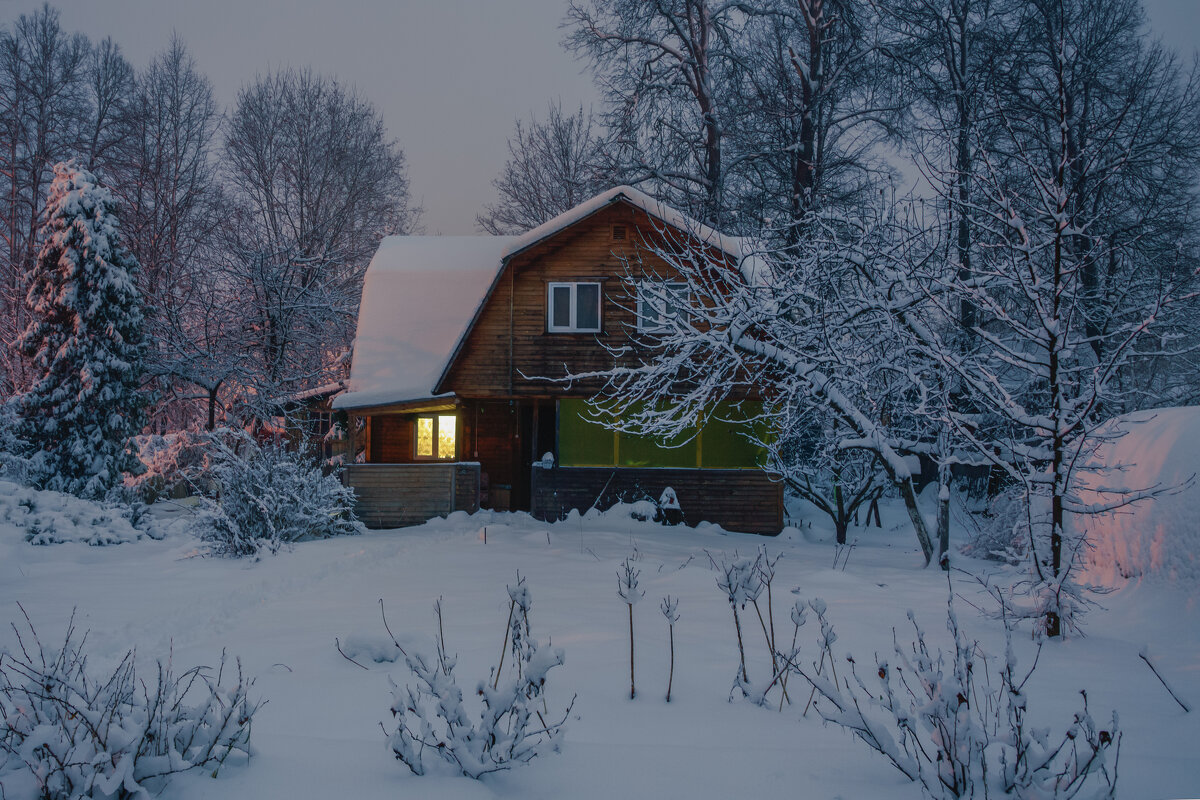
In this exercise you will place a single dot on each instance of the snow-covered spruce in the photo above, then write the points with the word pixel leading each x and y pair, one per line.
pixel 85 342
pixel 265 496
pixel 940 721
pixel 432 723
pixel 68 734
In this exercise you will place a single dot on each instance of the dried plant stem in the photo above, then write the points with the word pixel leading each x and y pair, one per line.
pixel 504 647
pixel 737 623
pixel 338 645
pixel 814 690
pixel 632 690
pixel 671 671
pixel 1166 685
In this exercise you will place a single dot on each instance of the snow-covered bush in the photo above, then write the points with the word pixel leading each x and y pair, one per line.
pixel 432 724
pixel 44 517
pixel 174 462
pixel 940 721
pixel 266 496
pixel 68 734
pixel 1001 533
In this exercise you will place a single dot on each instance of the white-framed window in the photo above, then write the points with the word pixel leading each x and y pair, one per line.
pixel 435 437
pixel 573 307
pixel 658 303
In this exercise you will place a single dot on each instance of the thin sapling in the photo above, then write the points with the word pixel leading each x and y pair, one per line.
pixel 627 590
pixel 670 610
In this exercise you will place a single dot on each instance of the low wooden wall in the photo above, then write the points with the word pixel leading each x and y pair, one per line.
pixel 744 500
pixel 396 495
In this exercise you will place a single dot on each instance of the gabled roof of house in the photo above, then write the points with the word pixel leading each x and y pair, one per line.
pixel 418 295
pixel 422 295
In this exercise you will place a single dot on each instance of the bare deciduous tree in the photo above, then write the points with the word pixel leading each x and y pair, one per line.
pixel 316 183
pixel 553 165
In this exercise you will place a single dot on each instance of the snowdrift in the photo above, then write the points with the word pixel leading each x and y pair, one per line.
pixel 1155 538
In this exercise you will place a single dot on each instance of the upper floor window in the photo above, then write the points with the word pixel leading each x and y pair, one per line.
pixel 435 436
pixel 573 308
pixel 659 303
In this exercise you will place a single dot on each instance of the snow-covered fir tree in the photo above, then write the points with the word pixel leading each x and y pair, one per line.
pixel 86 343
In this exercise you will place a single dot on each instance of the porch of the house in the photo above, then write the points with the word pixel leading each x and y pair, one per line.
pixel 423 460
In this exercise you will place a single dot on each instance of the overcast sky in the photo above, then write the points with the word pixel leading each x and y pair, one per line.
pixel 449 76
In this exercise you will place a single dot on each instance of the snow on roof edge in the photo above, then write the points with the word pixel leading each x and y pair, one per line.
pixel 732 245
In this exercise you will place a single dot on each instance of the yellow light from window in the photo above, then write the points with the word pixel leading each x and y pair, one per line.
pixel 425 437
pixel 445 428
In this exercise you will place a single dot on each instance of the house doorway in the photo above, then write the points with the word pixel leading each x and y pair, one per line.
pixel 537 434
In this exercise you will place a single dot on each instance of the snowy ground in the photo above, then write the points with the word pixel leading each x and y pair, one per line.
pixel 319 735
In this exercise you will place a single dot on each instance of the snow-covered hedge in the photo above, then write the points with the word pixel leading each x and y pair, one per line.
pixel 266 496
pixel 67 733
pixel 44 517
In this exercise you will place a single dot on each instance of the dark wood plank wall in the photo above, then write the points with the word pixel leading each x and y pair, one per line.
pixel 586 251
pixel 737 500
pixel 391 439
pixel 396 495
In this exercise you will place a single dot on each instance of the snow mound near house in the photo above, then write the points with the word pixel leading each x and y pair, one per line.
pixel 1156 538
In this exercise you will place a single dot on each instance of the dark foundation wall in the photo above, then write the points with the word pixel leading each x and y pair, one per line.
pixel 736 499
pixel 397 495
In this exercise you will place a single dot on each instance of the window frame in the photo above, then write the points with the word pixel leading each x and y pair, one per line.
pixel 659 323
pixel 416 437
pixel 573 325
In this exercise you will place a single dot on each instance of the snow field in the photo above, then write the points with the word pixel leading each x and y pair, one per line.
pixel 319 735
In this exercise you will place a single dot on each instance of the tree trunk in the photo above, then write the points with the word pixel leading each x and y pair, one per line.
pixel 909 495
pixel 841 522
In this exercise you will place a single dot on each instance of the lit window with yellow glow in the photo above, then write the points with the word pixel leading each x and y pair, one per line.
pixel 435 437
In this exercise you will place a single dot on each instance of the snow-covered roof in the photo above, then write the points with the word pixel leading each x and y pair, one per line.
pixel 732 245
pixel 419 295
pixel 323 390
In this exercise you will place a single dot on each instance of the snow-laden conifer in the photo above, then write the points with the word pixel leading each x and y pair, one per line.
pixel 86 343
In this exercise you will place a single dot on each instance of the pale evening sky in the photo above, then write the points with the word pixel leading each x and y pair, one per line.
pixel 449 76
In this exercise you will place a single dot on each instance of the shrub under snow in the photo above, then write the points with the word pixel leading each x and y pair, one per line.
pixel 266 496
pixel 68 734
pixel 44 517
pixel 513 724
pixel 939 719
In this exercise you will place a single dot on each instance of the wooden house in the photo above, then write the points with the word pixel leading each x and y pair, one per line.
pixel 448 399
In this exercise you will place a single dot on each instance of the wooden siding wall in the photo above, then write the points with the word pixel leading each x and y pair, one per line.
pixel 398 495
pixel 737 500
pixel 583 252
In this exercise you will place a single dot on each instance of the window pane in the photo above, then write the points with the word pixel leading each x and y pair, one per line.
pixel 587 306
pixel 425 436
pixel 725 445
pixel 582 443
pixel 646 451
pixel 560 306
pixel 445 428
